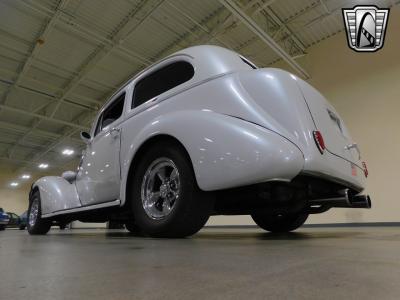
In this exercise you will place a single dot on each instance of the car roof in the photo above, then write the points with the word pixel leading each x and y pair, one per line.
pixel 209 61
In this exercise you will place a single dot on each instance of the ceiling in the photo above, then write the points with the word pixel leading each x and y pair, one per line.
pixel 60 60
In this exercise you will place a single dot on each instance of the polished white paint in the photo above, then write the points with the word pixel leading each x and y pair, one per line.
pixel 239 126
pixel 57 194
pixel 83 208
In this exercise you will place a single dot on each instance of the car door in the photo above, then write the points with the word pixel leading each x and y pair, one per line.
pixel 13 219
pixel 98 177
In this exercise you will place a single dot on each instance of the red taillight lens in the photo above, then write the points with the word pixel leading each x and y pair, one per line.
pixel 364 164
pixel 319 141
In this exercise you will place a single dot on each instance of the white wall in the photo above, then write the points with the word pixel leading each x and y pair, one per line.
pixel 12 199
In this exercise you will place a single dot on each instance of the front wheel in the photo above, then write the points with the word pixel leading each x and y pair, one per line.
pixel 2 227
pixel 280 222
pixel 166 199
pixel 36 225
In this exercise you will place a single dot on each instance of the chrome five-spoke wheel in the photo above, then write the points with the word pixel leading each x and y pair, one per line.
pixel 36 225
pixel 166 201
pixel 160 188
pixel 34 212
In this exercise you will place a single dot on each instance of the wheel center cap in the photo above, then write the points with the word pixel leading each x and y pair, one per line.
pixel 164 190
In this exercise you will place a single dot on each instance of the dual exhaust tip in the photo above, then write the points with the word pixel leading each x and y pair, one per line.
pixel 347 200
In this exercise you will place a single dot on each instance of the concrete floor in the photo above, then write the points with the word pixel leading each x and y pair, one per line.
pixel 313 263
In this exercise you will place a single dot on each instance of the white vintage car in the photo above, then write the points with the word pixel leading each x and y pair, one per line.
pixel 205 132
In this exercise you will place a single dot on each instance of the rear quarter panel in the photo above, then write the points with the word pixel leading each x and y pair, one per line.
pixel 225 151
pixel 279 95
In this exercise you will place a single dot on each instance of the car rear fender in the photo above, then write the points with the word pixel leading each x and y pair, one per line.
pixel 225 151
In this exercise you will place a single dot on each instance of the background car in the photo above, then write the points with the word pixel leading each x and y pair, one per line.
pixel 14 219
pixel 4 219
pixel 23 220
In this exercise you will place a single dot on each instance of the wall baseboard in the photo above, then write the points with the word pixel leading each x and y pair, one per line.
pixel 332 225
pixel 366 224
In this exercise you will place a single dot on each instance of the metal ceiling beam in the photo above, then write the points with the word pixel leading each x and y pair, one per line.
pixel 197 24
pixel 282 26
pixel 66 136
pixel 224 26
pixel 33 126
pixel 39 132
pixel 263 6
pixel 43 63
pixel 69 22
pixel 100 53
pixel 25 162
pixel 203 26
pixel 265 37
pixel 49 96
pixel 43 34
pixel 50 119
pixel 53 145
pixel 120 34
pixel 214 20
pixel 24 145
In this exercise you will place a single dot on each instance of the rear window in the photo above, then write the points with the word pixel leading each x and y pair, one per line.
pixel 161 81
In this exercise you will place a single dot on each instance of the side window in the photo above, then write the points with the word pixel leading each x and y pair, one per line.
pixel 161 81
pixel 111 114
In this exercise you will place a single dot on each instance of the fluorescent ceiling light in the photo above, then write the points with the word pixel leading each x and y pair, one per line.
pixel 13 184
pixel 43 166
pixel 26 176
pixel 68 152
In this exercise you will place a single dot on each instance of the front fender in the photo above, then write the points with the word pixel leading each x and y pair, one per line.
pixel 56 194
pixel 225 151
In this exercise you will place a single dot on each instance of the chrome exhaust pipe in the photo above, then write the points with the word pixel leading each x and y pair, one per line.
pixel 361 201
pixel 345 200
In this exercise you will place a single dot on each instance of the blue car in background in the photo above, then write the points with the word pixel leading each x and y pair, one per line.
pixel 17 221
pixel 4 219
pixel 23 220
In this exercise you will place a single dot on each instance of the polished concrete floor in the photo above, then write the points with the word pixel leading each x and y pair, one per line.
pixel 313 263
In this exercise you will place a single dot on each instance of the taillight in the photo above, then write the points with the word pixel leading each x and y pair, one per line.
pixel 364 164
pixel 319 141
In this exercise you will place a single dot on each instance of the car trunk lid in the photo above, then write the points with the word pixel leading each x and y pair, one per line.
pixel 327 121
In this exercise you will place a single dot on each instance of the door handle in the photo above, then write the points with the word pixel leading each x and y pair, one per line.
pixel 114 131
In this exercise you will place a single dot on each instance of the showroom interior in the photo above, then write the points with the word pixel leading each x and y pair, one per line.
pixel 61 60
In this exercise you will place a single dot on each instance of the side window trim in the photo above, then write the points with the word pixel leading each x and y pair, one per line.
pixel 99 127
pixel 150 73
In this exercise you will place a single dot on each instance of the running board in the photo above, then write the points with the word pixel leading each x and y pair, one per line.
pixel 82 208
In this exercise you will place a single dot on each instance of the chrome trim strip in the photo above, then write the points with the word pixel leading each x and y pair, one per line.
pixel 83 208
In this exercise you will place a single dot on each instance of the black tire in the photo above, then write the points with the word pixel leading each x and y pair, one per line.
pixel 22 227
pixel 2 227
pixel 191 209
pixel 41 226
pixel 280 223
pixel 132 227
